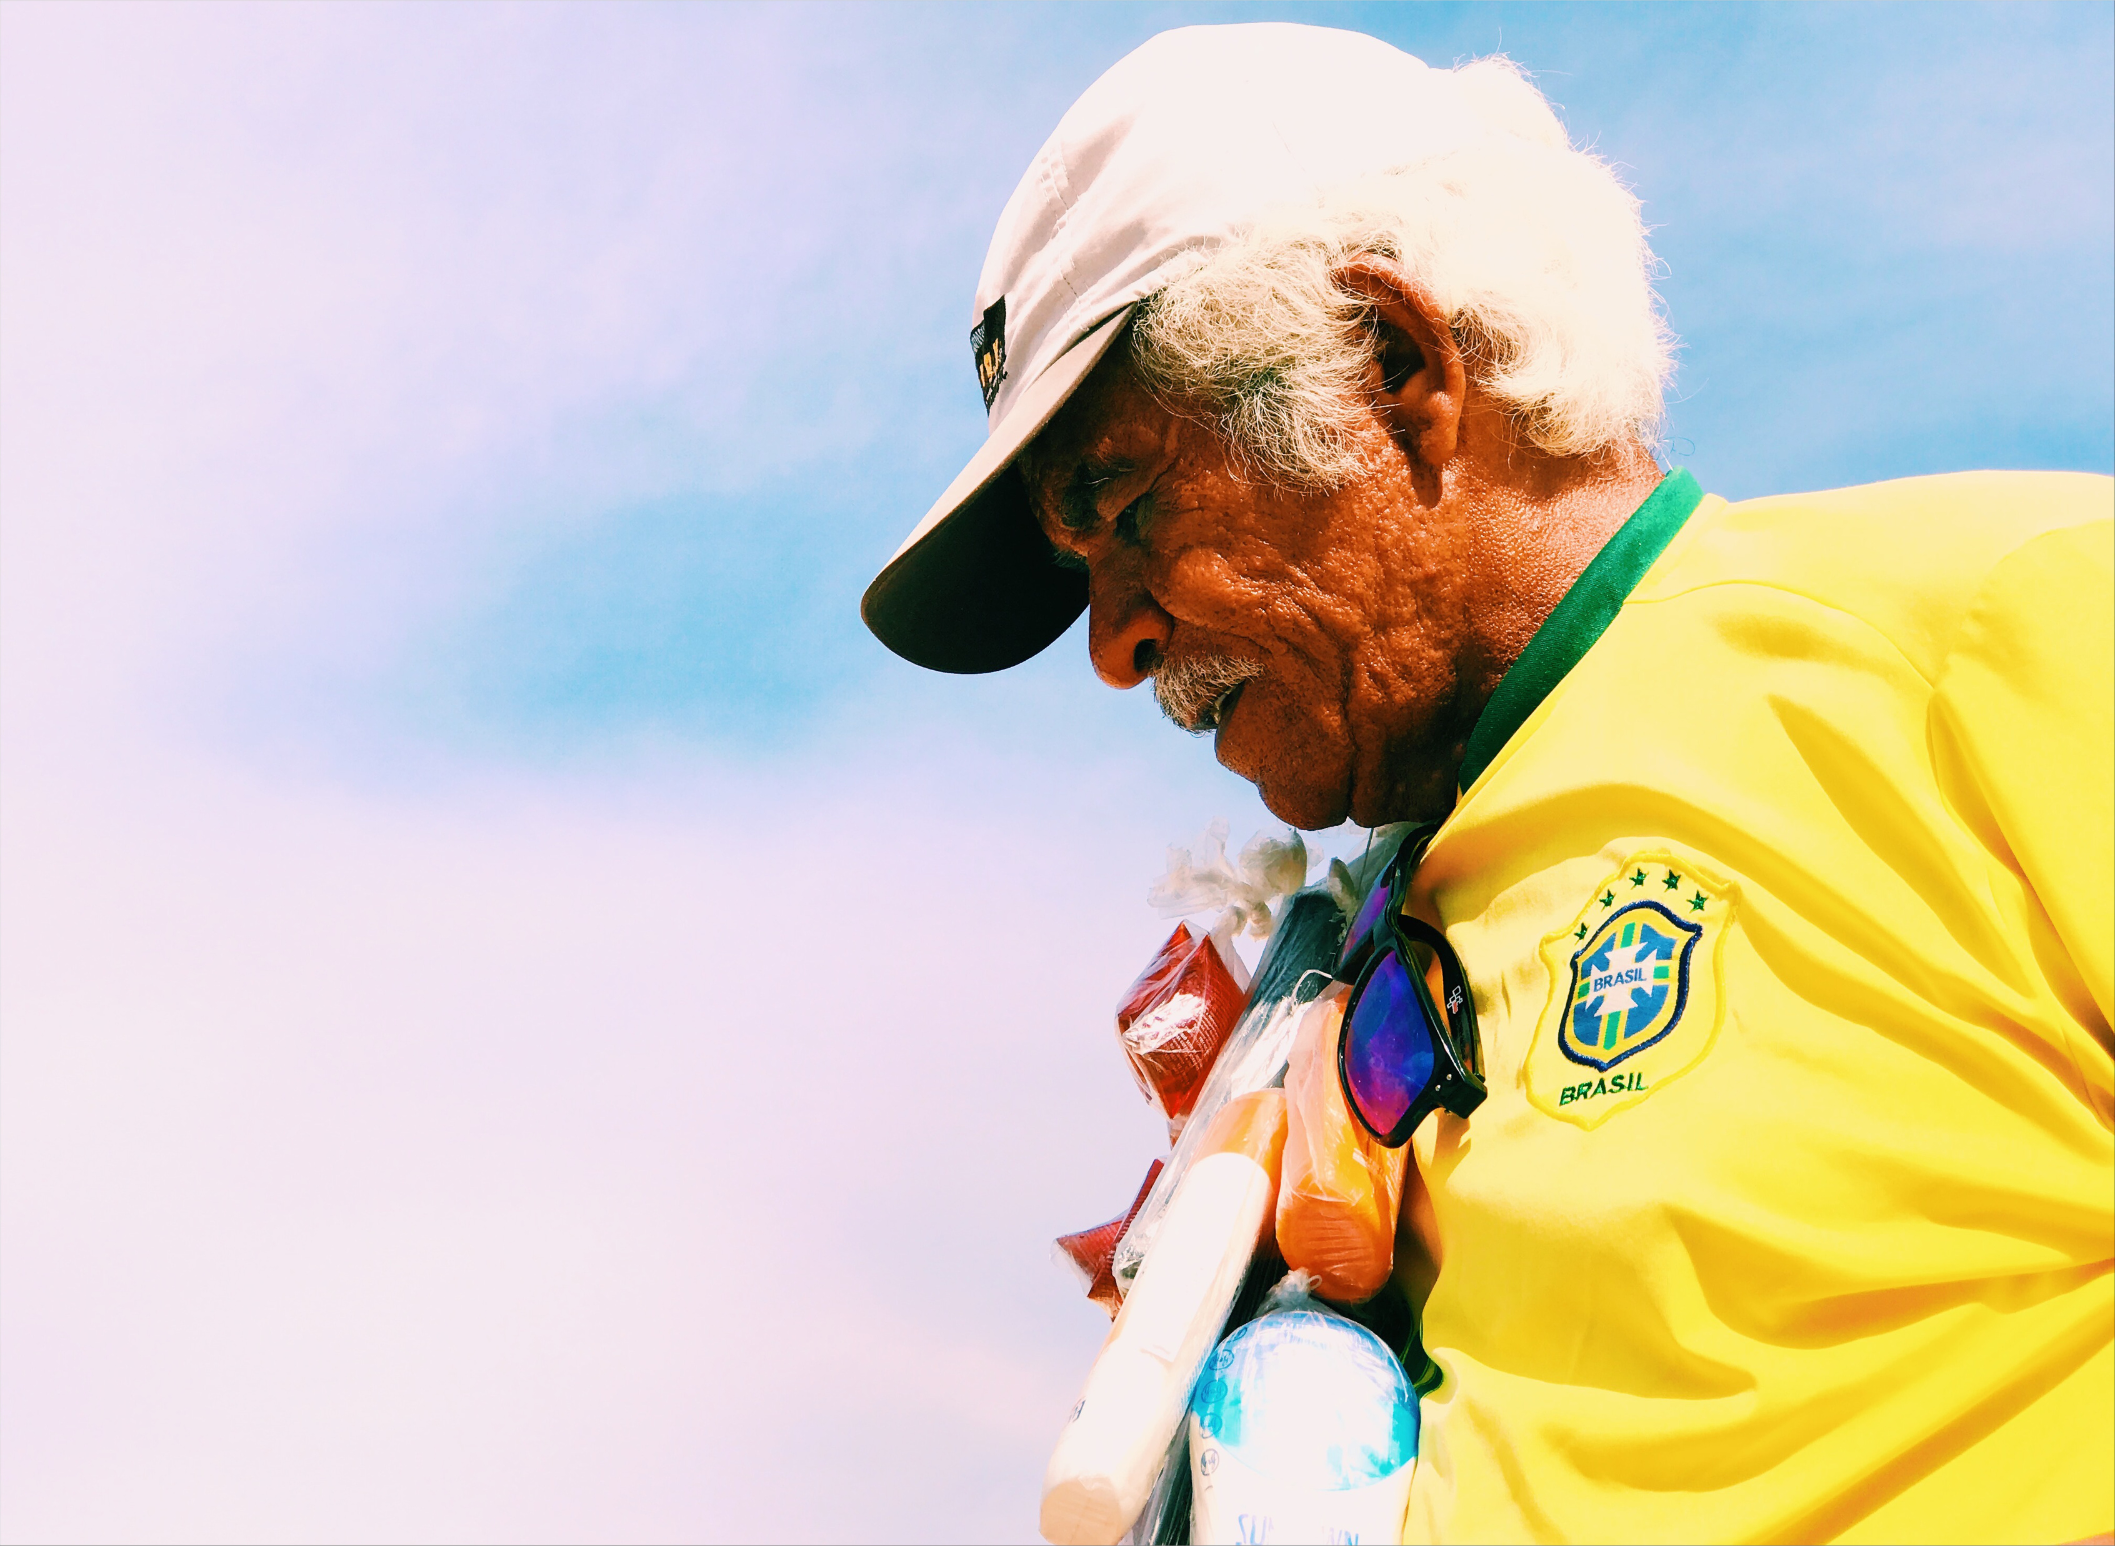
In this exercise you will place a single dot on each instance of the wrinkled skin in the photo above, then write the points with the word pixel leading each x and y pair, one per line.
pixel 1377 617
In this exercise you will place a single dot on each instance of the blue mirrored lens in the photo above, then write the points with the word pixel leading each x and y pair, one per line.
pixel 1370 912
pixel 1387 1047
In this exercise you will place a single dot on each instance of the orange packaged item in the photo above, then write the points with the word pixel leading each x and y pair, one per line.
pixel 1175 1019
pixel 1341 1187
pixel 1092 1252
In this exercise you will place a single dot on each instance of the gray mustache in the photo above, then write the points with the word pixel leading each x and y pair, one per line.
pixel 1188 690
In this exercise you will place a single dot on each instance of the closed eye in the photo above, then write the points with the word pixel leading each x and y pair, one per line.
pixel 1065 558
pixel 1132 523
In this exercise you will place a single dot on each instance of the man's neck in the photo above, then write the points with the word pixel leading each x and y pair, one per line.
pixel 1526 525
pixel 1537 537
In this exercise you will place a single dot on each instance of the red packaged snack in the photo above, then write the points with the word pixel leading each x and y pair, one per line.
pixel 1154 980
pixel 1175 1019
pixel 1093 1251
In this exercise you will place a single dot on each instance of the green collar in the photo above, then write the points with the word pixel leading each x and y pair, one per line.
pixel 1581 617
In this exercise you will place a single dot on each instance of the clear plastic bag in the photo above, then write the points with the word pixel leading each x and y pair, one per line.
pixel 1307 933
pixel 1240 891
pixel 1091 1254
pixel 1342 1186
pixel 1113 1450
pixel 1303 1427
pixel 1295 968
pixel 1165 1520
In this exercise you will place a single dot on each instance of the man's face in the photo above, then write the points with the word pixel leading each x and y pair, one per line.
pixel 1319 636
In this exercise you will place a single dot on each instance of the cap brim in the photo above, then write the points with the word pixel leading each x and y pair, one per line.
pixel 975 587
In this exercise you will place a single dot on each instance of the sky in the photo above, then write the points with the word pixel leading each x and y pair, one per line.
pixel 518 1019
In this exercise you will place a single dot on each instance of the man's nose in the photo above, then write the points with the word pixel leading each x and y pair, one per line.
pixel 1127 631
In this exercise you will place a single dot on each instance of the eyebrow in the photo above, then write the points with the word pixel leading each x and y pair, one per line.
pixel 1079 509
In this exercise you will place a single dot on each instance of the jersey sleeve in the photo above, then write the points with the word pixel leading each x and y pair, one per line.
pixel 2023 739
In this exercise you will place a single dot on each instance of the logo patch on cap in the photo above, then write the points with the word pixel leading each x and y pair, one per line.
pixel 987 342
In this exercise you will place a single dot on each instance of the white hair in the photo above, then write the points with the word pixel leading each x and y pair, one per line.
pixel 1532 249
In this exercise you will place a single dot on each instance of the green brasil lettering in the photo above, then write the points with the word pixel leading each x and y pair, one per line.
pixel 1615 1086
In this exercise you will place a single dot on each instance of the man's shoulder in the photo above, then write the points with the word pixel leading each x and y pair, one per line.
pixel 1961 512
pixel 1906 556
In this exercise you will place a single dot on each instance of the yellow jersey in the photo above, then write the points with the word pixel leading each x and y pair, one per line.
pixel 1784 872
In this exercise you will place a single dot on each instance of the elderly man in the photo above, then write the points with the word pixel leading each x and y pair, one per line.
pixel 1774 838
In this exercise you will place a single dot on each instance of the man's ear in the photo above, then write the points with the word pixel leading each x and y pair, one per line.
pixel 1422 381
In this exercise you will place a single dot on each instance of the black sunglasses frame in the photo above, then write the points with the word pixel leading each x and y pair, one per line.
pixel 1457 1083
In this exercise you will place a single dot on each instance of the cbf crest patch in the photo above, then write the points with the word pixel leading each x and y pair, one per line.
pixel 1636 992
pixel 987 345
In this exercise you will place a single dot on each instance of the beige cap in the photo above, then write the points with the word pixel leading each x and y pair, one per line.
pixel 1180 147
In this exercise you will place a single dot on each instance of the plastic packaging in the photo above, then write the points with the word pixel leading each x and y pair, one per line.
pixel 1166 1520
pixel 1175 1018
pixel 1092 1252
pixel 1294 969
pixel 1303 1428
pixel 1342 1187
pixel 1116 1441
pixel 1202 879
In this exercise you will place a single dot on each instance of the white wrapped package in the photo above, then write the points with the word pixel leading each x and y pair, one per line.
pixel 1303 1428
pixel 1115 1442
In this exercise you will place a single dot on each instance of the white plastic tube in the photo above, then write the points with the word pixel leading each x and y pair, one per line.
pixel 1139 1389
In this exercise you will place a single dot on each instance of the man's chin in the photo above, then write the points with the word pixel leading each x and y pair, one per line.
pixel 1310 813
pixel 1303 778
pixel 1383 811
pixel 1425 793
pixel 1298 803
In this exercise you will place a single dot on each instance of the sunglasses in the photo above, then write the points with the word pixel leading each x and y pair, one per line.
pixel 1400 1058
